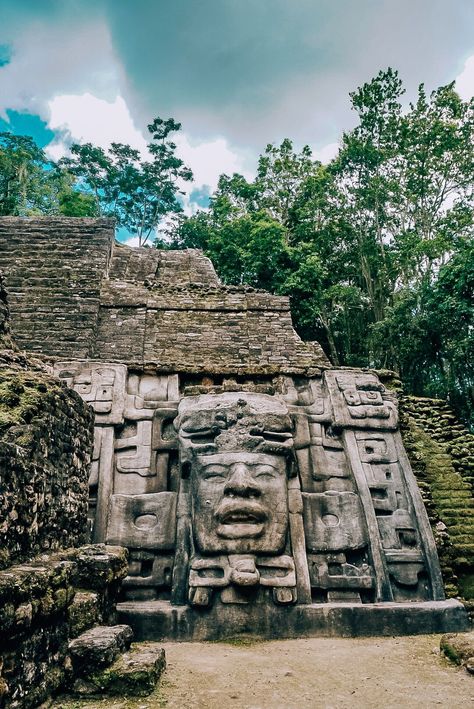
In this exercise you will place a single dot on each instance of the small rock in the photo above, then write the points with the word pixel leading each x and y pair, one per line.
pixel 99 647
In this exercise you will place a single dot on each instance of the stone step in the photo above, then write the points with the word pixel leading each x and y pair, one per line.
pixel 460 495
pixel 464 513
pixel 136 673
pixel 99 647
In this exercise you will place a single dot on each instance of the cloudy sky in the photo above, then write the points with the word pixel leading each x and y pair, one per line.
pixel 236 73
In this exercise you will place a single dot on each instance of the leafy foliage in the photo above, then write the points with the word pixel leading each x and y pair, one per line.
pixel 139 193
pixel 374 249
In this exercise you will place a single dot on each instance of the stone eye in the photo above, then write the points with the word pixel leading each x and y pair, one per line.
pixel 264 473
pixel 215 474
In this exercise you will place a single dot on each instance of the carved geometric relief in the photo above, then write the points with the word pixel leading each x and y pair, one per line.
pixel 398 531
pixel 144 442
pixel 376 447
pixel 143 521
pixel 133 449
pixel 359 400
pixel 145 392
pixel 333 521
pixel 386 486
pixel 331 571
pixel 148 569
pixel 101 480
pixel 236 573
pixel 100 385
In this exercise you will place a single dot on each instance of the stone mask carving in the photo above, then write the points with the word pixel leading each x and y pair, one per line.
pixel 239 502
pixel 237 451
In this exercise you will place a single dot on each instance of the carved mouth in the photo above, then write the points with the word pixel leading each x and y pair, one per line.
pixel 242 516
pixel 231 513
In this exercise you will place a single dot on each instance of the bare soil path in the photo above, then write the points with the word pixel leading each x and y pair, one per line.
pixel 316 673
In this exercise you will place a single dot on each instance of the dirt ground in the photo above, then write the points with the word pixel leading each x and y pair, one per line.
pixel 317 673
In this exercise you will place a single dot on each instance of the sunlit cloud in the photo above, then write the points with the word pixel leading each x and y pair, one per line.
pixel 465 80
pixel 89 119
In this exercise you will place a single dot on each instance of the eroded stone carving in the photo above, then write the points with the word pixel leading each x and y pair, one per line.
pixel 100 385
pixel 237 450
pixel 238 497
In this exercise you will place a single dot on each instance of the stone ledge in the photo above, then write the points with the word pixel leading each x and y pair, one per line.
pixel 160 621
pixel 99 647
pixel 35 591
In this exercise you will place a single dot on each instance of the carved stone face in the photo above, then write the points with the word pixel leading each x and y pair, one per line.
pixel 240 502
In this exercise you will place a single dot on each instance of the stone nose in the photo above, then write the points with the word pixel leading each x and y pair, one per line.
pixel 241 482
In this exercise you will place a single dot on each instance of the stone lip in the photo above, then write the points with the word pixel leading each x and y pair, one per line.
pixel 160 621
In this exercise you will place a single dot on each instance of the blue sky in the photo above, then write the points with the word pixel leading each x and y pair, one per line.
pixel 236 73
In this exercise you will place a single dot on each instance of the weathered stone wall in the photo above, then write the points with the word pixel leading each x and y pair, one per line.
pixel 74 294
pixel 225 330
pixel 5 337
pixel 45 603
pixel 45 453
pixel 53 269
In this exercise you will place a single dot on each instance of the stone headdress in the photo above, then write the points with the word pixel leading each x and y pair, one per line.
pixel 237 421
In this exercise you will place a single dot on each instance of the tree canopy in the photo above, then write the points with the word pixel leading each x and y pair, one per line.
pixel 375 248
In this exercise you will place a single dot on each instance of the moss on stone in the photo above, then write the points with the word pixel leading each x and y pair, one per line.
pixel 21 396
pixel 136 673
pixel 432 438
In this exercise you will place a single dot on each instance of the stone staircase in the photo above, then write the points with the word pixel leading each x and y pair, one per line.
pixel 441 451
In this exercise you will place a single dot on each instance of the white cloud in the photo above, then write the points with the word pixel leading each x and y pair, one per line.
pixel 465 80
pixel 326 153
pixel 134 241
pixel 50 59
pixel 209 159
pixel 87 118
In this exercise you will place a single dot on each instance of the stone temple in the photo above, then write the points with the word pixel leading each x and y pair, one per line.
pixel 257 488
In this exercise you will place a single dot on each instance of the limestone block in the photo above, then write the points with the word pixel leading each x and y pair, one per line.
pixel 147 391
pixel 149 570
pixel 376 447
pixel 331 571
pixel 97 566
pixel 99 647
pixel 83 613
pixel 143 521
pixel 333 521
pixel 135 674
pixel 359 400
pixel 133 450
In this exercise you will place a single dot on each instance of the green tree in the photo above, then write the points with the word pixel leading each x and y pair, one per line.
pixel 138 192
pixel 25 185
pixel 30 184
pixel 363 246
